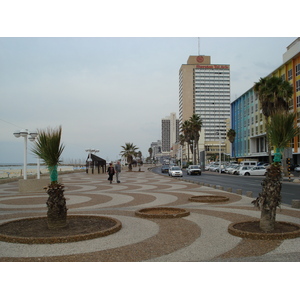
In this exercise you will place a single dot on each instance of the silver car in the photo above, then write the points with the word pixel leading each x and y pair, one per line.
pixel 193 170
pixel 175 171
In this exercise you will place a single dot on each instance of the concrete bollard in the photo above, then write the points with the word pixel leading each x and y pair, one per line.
pixel 33 185
pixel 229 190
pixel 213 186
pixel 221 188
pixel 295 203
pixel 249 194
pixel 239 191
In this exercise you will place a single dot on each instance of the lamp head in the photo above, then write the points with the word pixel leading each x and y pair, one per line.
pixel 33 134
pixel 24 132
pixel 17 134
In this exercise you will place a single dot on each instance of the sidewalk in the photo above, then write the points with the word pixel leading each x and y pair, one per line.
pixel 200 237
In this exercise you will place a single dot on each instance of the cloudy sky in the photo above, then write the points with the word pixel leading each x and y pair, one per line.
pixel 109 90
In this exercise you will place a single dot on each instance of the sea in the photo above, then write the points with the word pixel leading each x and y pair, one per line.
pixel 17 166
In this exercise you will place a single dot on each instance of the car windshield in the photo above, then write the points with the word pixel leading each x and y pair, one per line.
pixel 194 167
pixel 175 168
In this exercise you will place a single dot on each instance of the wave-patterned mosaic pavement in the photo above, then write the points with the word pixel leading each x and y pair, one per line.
pixel 201 236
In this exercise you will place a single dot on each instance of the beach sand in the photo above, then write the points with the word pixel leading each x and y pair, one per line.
pixel 13 173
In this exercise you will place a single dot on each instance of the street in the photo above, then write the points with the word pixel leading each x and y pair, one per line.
pixel 289 191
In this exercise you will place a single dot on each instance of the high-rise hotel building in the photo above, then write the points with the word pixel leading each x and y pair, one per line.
pixel 204 89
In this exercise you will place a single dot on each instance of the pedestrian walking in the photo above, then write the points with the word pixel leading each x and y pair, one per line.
pixel 118 171
pixel 110 172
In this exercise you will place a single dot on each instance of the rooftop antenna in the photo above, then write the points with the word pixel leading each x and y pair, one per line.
pixel 198 46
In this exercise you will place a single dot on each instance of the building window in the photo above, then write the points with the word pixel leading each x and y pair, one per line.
pixel 298 101
pixel 297 69
pixel 290 74
pixel 297 85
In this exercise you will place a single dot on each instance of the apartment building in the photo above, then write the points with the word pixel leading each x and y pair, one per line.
pixel 247 118
pixel 169 132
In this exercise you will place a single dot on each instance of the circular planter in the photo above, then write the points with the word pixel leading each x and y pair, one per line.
pixel 208 198
pixel 35 230
pixel 162 212
pixel 251 230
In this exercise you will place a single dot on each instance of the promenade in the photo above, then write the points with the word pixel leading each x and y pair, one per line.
pixel 200 237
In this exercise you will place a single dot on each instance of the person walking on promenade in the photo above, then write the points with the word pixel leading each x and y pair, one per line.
pixel 118 171
pixel 110 172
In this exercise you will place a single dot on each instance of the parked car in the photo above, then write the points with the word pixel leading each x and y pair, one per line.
pixel 175 171
pixel 260 170
pixel 293 167
pixel 214 168
pixel 207 167
pixel 193 170
pixel 249 163
pixel 232 169
pixel 240 169
pixel 297 169
pixel 165 168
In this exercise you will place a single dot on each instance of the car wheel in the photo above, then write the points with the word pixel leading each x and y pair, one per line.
pixel 247 174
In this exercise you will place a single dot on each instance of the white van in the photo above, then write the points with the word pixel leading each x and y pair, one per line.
pixel 248 163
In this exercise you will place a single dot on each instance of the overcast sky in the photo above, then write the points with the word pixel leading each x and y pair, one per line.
pixel 109 90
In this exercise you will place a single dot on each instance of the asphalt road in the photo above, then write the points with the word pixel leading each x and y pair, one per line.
pixel 252 184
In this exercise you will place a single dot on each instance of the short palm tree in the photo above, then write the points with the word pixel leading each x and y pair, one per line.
pixel 274 94
pixel 129 151
pixel 281 130
pixel 48 147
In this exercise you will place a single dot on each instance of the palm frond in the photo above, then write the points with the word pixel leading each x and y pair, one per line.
pixel 48 146
pixel 282 129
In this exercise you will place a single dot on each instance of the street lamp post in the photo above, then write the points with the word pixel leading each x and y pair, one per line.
pixel 220 160
pixel 32 135
pixel 32 138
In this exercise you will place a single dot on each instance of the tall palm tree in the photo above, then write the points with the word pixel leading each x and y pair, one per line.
pixel 281 130
pixel 48 147
pixel 274 94
pixel 195 127
pixel 231 137
pixel 150 150
pixel 129 151
pixel 186 129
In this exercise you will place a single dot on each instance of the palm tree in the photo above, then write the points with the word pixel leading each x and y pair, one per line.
pixel 274 94
pixel 231 137
pixel 186 129
pixel 195 127
pixel 150 150
pixel 129 151
pixel 48 147
pixel 281 130
pixel 140 162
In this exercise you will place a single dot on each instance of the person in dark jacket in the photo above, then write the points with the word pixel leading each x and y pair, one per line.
pixel 110 172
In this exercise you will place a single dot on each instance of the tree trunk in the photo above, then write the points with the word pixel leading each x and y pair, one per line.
pixel 269 198
pixel 57 210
